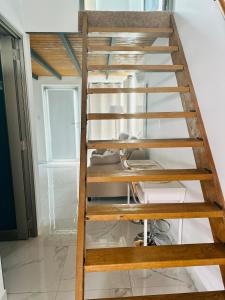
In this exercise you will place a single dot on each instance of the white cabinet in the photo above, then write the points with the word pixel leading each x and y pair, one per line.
pixel 163 192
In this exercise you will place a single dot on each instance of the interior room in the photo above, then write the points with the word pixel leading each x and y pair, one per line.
pixel 113 179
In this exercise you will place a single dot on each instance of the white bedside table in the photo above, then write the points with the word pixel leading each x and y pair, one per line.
pixel 165 192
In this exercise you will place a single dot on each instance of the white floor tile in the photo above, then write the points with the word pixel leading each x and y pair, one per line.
pixel 107 280
pixel 161 290
pixel 160 277
pixel 44 268
pixel 33 296
pixel 112 293
pixel 30 268
pixel 104 235
pixel 65 295
pixel 67 282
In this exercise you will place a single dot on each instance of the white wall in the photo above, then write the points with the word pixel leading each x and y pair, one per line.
pixel 50 15
pixel 202 31
pixel 11 10
pixel 201 26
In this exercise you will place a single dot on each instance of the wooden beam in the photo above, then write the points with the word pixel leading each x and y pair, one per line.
pixel 35 76
pixel 70 52
pixel 35 56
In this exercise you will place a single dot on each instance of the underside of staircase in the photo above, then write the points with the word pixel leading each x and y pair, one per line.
pixel 153 24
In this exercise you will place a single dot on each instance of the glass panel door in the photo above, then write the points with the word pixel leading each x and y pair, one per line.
pixel 61 109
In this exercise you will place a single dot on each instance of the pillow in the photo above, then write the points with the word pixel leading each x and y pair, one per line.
pixel 123 136
pixel 108 158
pixel 98 152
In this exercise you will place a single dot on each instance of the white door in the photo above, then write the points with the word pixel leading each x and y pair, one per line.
pixel 61 110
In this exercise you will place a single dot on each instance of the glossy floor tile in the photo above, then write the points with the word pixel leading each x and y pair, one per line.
pixel 68 275
pixel 32 296
pixel 44 268
pixel 169 277
pixel 59 194
pixel 30 268
pixel 65 295
pixel 108 293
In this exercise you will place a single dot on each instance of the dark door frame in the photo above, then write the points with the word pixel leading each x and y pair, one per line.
pixel 18 122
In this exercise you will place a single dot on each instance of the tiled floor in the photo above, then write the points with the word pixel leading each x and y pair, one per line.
pixel 43 268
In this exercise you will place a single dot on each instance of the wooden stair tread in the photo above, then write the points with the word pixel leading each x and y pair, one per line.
pixel 96 24
pixel 117 49
pixel 133 32
pixel 116 212
pixel 130 29
pixel 152 115
pixel 147 68
pixel 169 256
pixel 147 175
pixel 145 143
pixel 214 295
pixel 142 90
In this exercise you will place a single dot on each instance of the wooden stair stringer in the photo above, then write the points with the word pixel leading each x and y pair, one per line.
pixel 196 130
pixel 80 252
pixel 212 191
pixel 210 185
pixel 218 295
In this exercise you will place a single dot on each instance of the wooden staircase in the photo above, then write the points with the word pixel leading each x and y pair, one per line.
pixel 130 258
